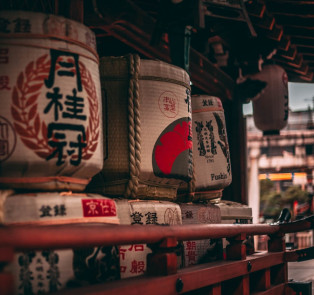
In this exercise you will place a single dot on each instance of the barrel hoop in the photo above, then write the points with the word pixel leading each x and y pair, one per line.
pixel 162 79
pixel 211 109
pixel 43 179
pixel 149 78
pixel 50 36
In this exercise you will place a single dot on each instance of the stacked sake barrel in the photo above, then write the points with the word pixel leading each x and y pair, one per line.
pixel 147 121
pixel 51 143
pixel 148 151
pixel 211 156
pixel 112 151
pixel 147 146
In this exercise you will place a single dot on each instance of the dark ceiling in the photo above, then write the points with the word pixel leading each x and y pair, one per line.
pixel 225 35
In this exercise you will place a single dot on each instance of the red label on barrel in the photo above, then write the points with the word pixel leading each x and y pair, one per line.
pixel 99 208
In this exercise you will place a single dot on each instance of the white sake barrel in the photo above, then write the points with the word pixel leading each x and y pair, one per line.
pixel 55 208
pixel 50 109
pixel 39 272
pixel 211 156
pixel 271 108
pixel 206 250
pixel 147 122
pixel 133 258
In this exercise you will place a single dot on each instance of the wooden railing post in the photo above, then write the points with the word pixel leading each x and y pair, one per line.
pixel 276 243
pixel 6 279
pixel 236 250
pixel 163 260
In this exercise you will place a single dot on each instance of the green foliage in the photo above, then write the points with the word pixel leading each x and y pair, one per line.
pixel 294 193
pixel 266 186
pixel 272 202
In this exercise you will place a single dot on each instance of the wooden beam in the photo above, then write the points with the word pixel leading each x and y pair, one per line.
pixel 296 63
pixel 295 19
pixel 290 7
pixel 25 237
pixel 255 8
pixel 192 278
pixel 299 31
pixel 303 41
pixel 289 54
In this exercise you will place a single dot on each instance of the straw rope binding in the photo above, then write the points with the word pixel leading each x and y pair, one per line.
pixel 134 127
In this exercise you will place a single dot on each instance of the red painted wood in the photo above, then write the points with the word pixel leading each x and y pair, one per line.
pixel 279 274
pixel 236 250
pixel 6 254
pixel 6 283
pixel 193 277
pixel 260 280
pixel 275 290
pixel 76 11
pixel 215 290
pixel 161 263
pixel 276 243
pixel 69 236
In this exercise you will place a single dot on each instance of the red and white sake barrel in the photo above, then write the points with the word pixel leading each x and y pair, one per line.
pixel 46 271
pixel 50 114
pixel 134 259
pixel 211 156
pixel 148 149
pixel 206 250
pixel 271 108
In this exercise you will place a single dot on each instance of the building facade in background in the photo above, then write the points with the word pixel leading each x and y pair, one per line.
pixel 287 159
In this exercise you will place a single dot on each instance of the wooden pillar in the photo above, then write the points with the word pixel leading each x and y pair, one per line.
pixel 236 130
pixel 276 243
pixel 236 250
pixel 163 260
pixel 73 9
pixel 6 279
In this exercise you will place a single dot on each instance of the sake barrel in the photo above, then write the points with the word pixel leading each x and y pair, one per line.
pixel 134 258
pixel 49 208
pixel 39 272
pixel 236 213
pixel 206 250
pixel 211 156
pixel 271 108
pixel 147 122
pixel 50 114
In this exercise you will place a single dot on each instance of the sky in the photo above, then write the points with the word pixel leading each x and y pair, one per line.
pixel 300 97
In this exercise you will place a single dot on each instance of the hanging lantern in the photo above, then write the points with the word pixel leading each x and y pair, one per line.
pixel 50 109
pixel 271 108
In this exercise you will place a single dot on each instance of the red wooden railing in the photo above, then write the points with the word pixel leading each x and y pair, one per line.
pixel 259 273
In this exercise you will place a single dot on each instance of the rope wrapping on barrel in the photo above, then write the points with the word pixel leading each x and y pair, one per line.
pixel 191 184
pixel 137 121
pixel 134 127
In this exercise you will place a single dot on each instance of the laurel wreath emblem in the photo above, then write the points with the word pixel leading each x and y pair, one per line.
pixel 27 122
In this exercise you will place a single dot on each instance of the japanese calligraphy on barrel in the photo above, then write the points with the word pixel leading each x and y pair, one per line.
pixel 134 258
pixel 50 114
pixel 148 149
pixel 39 272
pixel 201 251
pixel 211 157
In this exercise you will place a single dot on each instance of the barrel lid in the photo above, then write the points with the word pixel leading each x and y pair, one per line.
pixel 206 102
pixel 26 24
pixel 234 210
pixel 162 71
